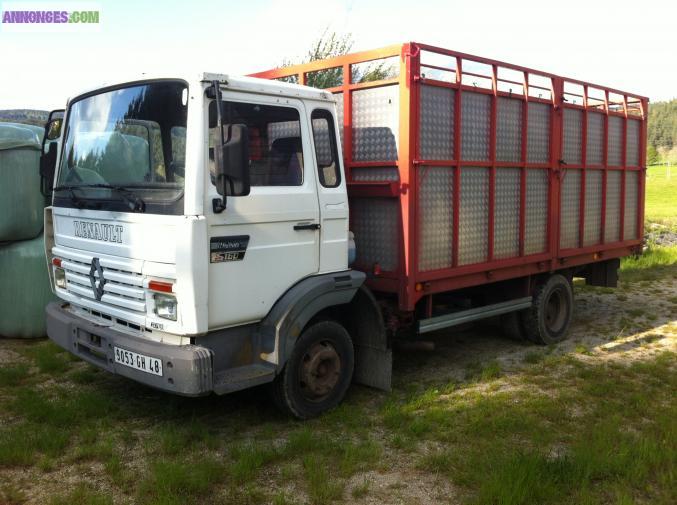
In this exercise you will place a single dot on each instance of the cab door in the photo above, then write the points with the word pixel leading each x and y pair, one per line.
pixel 267 241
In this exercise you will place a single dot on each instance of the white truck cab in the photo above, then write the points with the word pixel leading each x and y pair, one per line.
pixel 199 262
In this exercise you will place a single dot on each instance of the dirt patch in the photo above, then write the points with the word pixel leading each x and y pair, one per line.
pixel 400 487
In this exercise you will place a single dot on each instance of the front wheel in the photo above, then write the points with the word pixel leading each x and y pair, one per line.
pixel 548 319
pixel 318 373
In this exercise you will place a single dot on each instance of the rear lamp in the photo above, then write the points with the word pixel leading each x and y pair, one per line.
pixel 59 277
pixel 165 306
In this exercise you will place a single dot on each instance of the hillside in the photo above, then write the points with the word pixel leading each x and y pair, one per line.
pixel 27 116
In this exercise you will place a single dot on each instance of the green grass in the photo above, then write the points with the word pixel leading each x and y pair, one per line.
pixel 560 427
pixel 655 263
pixel 13 375
pixel 50 358
pixel 82 495
pixel 174 481
pixel 661 195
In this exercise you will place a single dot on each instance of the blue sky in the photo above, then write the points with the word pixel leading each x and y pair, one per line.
pixel 623 44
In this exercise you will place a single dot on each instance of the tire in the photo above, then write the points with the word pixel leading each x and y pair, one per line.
pixel 318 372
pixel 548 319
pixel 511 326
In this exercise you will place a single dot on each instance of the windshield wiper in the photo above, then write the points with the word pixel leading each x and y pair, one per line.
pixel 74 198
pixel 134 202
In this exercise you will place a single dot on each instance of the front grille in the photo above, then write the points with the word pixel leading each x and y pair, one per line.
pixel 123 288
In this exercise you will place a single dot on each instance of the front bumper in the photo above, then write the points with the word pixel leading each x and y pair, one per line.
pixel 187 369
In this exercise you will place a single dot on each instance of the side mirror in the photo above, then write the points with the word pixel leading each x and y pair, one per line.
pixel 47 169
pixel 48 157
pixel 53 129
pixel 231 160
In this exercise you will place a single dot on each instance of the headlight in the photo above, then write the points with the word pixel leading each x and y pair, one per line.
pixel 165 306
pixel 60 278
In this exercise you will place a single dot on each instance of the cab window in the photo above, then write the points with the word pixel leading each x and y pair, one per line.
pixel 326 151
pixel 275 147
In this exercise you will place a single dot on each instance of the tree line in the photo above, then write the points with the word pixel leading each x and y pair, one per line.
pixel 662 132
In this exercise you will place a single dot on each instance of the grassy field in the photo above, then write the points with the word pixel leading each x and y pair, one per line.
pixel 661 195
pixel 479 421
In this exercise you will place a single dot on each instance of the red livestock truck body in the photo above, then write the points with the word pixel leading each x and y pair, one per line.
pixel 464 171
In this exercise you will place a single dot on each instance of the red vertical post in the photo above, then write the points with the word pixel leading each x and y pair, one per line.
pixel 584 169
pixel 555 168
pixel 347 121
pixel 523 171
pixel 624 167
pixel 492 159
pixel 457 167
pixel 413 79
pixel 642 166
pixel 406 267
pixel 605 162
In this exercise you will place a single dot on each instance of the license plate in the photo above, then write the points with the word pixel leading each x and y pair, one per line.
pixel 138 361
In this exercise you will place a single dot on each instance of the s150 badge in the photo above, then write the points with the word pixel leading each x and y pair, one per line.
pixel 223 249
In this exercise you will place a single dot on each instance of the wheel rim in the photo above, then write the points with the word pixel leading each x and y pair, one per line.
pixel 320 371
pixel 555 311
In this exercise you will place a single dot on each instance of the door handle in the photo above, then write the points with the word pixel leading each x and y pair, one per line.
pixel 308 226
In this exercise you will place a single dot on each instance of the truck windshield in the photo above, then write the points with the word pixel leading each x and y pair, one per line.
pixel 130 137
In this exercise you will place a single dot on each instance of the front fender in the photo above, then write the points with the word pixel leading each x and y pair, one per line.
pixel 282 326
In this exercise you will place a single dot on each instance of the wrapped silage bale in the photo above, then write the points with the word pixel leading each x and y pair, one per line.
pixel 21 203
pixel 25 289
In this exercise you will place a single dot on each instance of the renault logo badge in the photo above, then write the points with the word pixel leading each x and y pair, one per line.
pixel 97 283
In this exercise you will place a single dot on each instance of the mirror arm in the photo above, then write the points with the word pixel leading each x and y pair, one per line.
pixel 218 204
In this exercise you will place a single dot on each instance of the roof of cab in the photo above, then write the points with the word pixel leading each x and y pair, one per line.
pixel 258 85
pixel 248 84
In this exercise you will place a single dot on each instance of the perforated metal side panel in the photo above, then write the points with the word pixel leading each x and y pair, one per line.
pixel 538 133
pixel 631 197
pixel 436 134
pixel 573 136
pixel 436 189
pixel 376 123
pixel 536 219
pixel 375 174
pixel 339 114
pixel 592 229
pixel 507 213
pixel 632 143
pixel 474 215
pixel 570 209
pixel 612 219
pixel 509 129
pixel 595 141
pixel 614 141
pixel 375 223
pixel 475 120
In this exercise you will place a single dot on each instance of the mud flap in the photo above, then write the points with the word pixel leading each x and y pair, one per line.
pixel 373 367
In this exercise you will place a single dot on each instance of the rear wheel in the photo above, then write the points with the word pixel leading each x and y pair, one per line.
pixel 548 319
pixel 318 373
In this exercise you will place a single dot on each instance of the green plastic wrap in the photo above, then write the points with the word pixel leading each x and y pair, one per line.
pixel 25 289
pixel 21 202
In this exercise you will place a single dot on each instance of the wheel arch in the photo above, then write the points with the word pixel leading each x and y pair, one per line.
pixel 339 296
